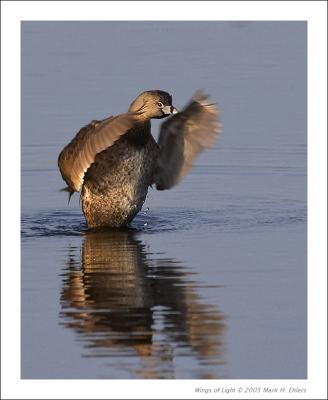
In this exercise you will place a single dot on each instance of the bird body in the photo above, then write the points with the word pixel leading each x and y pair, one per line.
pixel 116 160
pixel 116 185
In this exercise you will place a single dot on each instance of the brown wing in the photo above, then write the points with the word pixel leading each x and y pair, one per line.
pixel 80 153
pixel 183 137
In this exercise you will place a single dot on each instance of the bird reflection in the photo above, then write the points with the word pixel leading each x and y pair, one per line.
pixel 125 301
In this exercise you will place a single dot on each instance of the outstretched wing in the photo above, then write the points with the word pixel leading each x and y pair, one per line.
pixel 183 137
pixel 80 153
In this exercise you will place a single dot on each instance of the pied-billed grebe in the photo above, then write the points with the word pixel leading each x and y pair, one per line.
pixel 115 160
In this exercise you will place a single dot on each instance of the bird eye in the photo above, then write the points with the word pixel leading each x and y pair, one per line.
pixel 160 104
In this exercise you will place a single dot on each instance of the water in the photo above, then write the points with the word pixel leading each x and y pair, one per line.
pixel 210 279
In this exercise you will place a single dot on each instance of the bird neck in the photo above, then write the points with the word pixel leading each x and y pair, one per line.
pixel 140 133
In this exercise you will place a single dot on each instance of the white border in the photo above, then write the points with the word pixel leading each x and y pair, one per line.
pixel 12 13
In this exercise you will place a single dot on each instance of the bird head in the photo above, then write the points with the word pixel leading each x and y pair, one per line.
pixel 153 104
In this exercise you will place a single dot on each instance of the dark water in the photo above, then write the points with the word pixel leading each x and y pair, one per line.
pixel 210 279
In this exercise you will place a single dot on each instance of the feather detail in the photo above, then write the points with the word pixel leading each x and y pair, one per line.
pixel 182 137
pixel 92 139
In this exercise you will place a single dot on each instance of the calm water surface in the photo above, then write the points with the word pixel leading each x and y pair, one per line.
pixel 210 279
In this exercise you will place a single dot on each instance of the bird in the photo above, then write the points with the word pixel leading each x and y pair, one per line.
pixel 115 160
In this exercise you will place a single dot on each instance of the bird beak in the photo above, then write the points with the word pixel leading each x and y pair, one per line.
pixel 168 110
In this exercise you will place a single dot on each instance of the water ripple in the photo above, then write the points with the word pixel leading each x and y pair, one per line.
pixel 228 219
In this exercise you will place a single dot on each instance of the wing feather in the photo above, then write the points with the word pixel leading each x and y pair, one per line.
pixel 80 153
pixel 183 137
